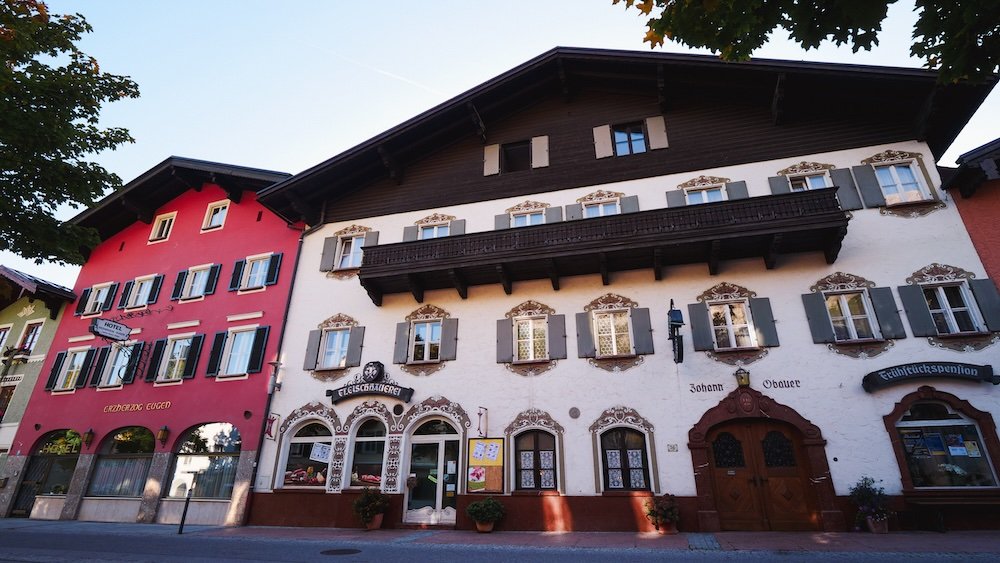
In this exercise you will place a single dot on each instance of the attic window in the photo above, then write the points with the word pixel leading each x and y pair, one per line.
pixel 515 157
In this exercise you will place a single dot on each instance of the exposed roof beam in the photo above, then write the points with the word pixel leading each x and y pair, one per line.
pixel 778 101
pixel 477 121
pixel 142 213
pixel 234 193
pixel 603 259
pixel 310 215
pixel 833 249
pixel 661 90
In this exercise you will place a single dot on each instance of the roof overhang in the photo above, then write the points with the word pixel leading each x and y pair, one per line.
pixel 15 285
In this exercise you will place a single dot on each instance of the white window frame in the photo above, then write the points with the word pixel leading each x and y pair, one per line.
pixel 349 467
pixel 436 230
pixel 117 350
pixel 688 192
pixel 95 305
pixel 206 224
pixel 804 181
pixel 187 291
pixel 350 247
pixel 731 327
pixel 5 334
pixel 595 316
pixel 345 341
pixel 265 261
pixel 133 298
pixel 40 322
pixel 427 344
pixel 849 318
pixel 531 321
pixel 948 311
pixel 279 482
pixel 178 376
pixel 601 207
pixel 901 197
pixel 164 221
pixel 227 351
pixel 63 383
pixel 529 217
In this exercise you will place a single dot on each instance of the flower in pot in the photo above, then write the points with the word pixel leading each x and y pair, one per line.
pixel 485 512
pixel 871 502
pixel 663 513
pixel 370 507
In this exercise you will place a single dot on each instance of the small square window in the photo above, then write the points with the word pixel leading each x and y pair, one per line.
pixel 900 183
pixel 732 325
pixel 705 195
pixel 433 231
pixel 515 157
pixel 612 334
pixel 349 253
pixel 174 360
pixel 425 342
pixel 809 182
pixel 629 138
pixel 601 209
pixel 527 219
pixel 162 227
pixel 215 215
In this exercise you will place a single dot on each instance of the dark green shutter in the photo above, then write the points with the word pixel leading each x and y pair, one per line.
pixel 354 344
pixel 557 337
pixel 81 305
pixel 584 337
pixel 154 359
pixel 194 352
pixel 88 361
pixel 213 279
pixel 102 360
pixel 133 362
pixel 215 354
pixel 109 301
pixel 763 320
pixel 273 267
pixel 154 292
pixel 915 305
pixel 701 327
pixel 312 350
pixel 887 313
pixel 54 372
pixel 178 290
pixel 256 363
pixel 818 317
pixel 237 277
pixel 505 341
pixel 126 291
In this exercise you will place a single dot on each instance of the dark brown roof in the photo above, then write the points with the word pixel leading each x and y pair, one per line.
pixel 15 284
pixel 974 168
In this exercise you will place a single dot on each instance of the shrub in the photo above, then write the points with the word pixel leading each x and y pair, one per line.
pixel 870 500
pixel 370 503
pixel 662 510
pixel 487 510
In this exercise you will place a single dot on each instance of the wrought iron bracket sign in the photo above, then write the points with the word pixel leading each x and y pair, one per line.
pixel 371 381
pixel 111 330
pixel 920 370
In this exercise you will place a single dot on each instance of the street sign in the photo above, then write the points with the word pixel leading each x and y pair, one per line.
pixel 110 330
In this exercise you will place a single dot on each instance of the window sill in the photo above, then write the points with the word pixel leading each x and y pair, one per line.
pixel 319 489
pixel 537 361
pixel 246 290
pixel 963 334
pixel 735 350
pixel 616 357
pixel 918 202
pixel 627 494
pixel 426 363
pixel 168 382
pixel 231 377
pixel 858 341
pixel 530 493
pixel 63 391
pixel 210 229
pixel 157 240
pixel 136 307
pixel 191 299
pixel 110 387
pixel 332 369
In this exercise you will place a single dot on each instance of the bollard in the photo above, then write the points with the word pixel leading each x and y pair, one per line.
pixel 187 501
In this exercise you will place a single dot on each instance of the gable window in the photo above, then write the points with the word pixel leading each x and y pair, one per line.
pixel 174 358
pixel 215 215
pixel 612 334
pixel 162 226
pixel 624 460
pixel 943 448
pixel 952 309
pixel 732 325
pixel 369 454
pixel 851 316
pixel 255 272
pixel 238 351
pixel 708 194
pixel 116 364
pixel 808 182
pixel 633 137
pixel 96 299
pixel 196 282
pixel 69 370
pixel 307 462
pixel 531 339
pixel 600 209
pixel 527 219
pixel 535 459
pixel 899 183
pixel 629 138
pixel 29 337
pixel 140 292
pixel 350 253
pixel 515 157
pixel 433 231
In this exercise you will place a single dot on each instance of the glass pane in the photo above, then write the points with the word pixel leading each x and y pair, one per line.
pixel 931 295
pixel 314 429
pixel 941 323
pixel 591 211
pixel 863 328
pixel 119 476
pixel 738 313
pixel 840 330
pixel 546 441
pixel 525 441
pixel 743 337
pixel 947 455
pixel 302 469
pixel 527 479
pixel 207 476
pixel 635 458
pixel 60 474
pixel 816 182
pixel 714 194
pixel 217 437
pixel 435 427
pixel 855 304
pixel 450 499
pixel 527 460
pixel 366 470
pixel 614 459
pixel 722 338
pixel 130 440
pixel 424 465
pixel 634 440
pixel 964 321
pixel 547 459
pixel 833 306
pixel 953 294
pixel 615 479
pixel 371 429
pixel 727 451
pixel 885 179
pixel 778 450
pixel 548 477
pixel 637 478
pixel 718 314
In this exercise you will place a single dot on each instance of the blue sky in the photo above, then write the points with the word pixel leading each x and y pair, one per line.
pixel 285 85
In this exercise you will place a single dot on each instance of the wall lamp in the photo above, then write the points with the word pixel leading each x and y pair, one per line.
pixel 162 434
pixel 88 437
pixel 742 377
pixel 675 320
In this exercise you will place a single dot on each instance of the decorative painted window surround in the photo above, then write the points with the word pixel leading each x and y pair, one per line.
pixel 624 418
pixel 706 326
pixel 426 341
pixel 602 203
pixel 526 214
pixel 437 225
pixel 878 309
pixel 816 175
pixel 333 347
pixel 531 359
pixel 897 179
pixel 943 301
pixel 343 252
pixel 528 421
pixel 706 189
pixel 591 333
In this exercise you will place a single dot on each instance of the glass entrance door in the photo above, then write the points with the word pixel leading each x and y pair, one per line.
pixel 434 470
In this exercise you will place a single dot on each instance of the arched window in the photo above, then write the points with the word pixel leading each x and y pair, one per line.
pixel 369 453
pixel 535 459
pixel 943 447
pixel 308 459
pixel 206 462
pixel 123 463
pixel 57 453
pixel 623 453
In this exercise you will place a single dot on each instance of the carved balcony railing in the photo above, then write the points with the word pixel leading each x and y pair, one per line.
pixel 764 227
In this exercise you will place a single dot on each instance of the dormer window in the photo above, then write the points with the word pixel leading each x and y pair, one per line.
pixel 629 138
pixel 162 226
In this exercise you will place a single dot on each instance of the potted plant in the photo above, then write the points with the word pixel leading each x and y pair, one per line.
pixel 485 512
pixel 663 513
pixel 871 502
pixel 370 507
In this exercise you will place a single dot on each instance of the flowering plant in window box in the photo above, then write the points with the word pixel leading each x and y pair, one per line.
pixel 871 502
pixel 663 513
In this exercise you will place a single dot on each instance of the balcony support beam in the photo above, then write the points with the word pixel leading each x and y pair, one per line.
pixel 658 264
pixel 603 258
pixel 459 282
pixel 833 248
pixel 504 278
pixel 713 256
pixel 374 294
pixel 553 274
pixel 416 288
pixel 771 254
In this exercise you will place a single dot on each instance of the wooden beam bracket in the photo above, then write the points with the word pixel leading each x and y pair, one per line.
pixel 713 257
pixel 461 286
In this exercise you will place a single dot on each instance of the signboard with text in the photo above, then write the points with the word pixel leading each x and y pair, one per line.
pixel 920 370
pixel 110 330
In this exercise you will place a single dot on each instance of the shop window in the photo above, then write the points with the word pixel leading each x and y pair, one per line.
pixel 255 272
pixel 162 226
pixel 196 282
pixel 535 460
pixel 123 464
pixel 624 460
pixel 206 463
pixel 29 337
pixel 140 292
pixel 943 447
pixel 215 215
pixel 369 455
pixel 308 460
pixel 6 394
pixel 174 358
pixel 116 364
pixel 238 351
pixel 97 299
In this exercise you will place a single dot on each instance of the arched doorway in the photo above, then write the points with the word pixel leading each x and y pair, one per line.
pixel 49 471
pixel 433 472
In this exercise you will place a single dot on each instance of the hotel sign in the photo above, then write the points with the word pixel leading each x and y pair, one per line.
pixel 921 370
pixel 371 381
pixel 110 330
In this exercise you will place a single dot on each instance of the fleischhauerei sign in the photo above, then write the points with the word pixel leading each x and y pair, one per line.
pixel 110 329
pixel 942 370
pixel 371 381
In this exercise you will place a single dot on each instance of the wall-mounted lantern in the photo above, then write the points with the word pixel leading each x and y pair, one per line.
pixel 742 377
pixel 88 437
pixel 162 434
pixel 675 320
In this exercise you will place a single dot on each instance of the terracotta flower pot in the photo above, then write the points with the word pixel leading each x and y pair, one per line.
pixel 376 522
pixel 877 526
pixel 484 527
pixel 667 529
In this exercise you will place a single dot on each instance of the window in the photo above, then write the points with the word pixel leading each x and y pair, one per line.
pixel 206 462
pixel 535 459
pixel 334 352
pixel 239 351
pixel 308 459
pixel 899 183
pixel 629 138
pixel 810 182
pixel 6 394
pixel 515 157
pixel 56 459
pixel 350 252
pixel 140 292
pixel 530 339
pixel 425 345
pixel 195 282
pixel 613 327
pixel 428 338
pixel 623 456
pixel 215 215
pixel 612 334
pixel 433 231
pixel 943 447
pixel 175 359
pixel 527 219
pixel 255 272
pixel 732 326
pixel 29 338
pixel 73 369
pixel 161 227
pixel 96 299
pixel 851 315
pixel 4 333
pixel 334 347
pixel 705 195
pixel 345 250
pixel 952 309
pixel 600 209
pixel 116 364
pixel 123 464
pixel 369 453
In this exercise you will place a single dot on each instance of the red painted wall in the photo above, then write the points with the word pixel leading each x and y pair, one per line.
pixel 980 213
pixel 249 229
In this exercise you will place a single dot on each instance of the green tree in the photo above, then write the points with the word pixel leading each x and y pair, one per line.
pixel 50 99
pixel 958 38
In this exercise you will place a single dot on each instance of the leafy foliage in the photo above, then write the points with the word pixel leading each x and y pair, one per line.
pixel 370 503
pixel 50 98
pixel 487 510
pixel 959 38
pixel 663 510
pixel 870 500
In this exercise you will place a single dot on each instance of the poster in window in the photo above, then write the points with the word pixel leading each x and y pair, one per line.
pixel 320 452
pixel 972 449
pixel 485 465
pixel 935 444
pixel 956 446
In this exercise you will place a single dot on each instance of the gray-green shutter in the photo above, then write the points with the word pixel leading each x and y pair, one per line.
pixel 988 300
pixel 371 239
pixel 737 190
pixel 847 192
pixel 449 339
pixel 501 222
pixel 818 317
pixel 456 227
pixel 553 214
pixel 887 313
pixel 505 341
pixel 921 322
pixel 701 327
pixel 642 331
pixel 676 198
pixel 871 191
pixel 409 233
pixel 133 362
pixel 102 360
pixel 328 259
pixel 629 204
pixel 312 349
pixel 763 320
pixel 584 337
pixel 354 343
pixel 779 185
pixel 54 372
pixel 557 337
pixel 574 211
pixel 400 351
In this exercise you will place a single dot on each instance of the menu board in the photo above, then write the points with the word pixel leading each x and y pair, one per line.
pixel 485 465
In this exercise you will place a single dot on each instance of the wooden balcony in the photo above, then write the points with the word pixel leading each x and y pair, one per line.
pixel 764 227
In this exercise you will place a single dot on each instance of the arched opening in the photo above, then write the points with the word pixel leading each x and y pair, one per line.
pixel 368 458
pixel 206 462
pixel 49 471
pixel 307 457
pixel 123 463
pixel 432 478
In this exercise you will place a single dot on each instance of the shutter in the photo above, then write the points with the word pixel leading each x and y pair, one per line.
pixel 656 128
pixel 410 233
pixel 400 351
pixel 763 321
pixel 88 361
pixel 921 322
pixel 237 277
pixel 133 362
pixel 109 301
pixel 642 331
pixel 312 350
pixel 54 373
pixel 371 239
pixel 505 341
pixel 871 191
pixel 540 151
pixel 194 352
pixel 553 214
pixel 178 285
pixel 491 160
pixel 602 142
pixel 154 359
pixel 126 291
pixel 355 342
pixel 574 211
pixel 215 355
pixel 701 327
pixel 629 204
pixel 676 198
pixel 737 190
pixel 213 279
pixel 273 268
pixel 456 227
pixel 818 317
pixel 256 363
pixel 779 185
pixel 556 333
pixel 584 337
pixel 81 305
pixel 328 259
pixel 886 313
pixel 102 360
pixel 501 222
pixel 988 300
pixel 847 192
pixel 154 292
pixel 449 339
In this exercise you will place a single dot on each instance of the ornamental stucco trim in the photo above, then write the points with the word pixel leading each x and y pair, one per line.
pixel 533 418
pixel 620 416
pixel 434 219
pixel 725 291
pixel 530 309
pixel 600 196
pixel 436 405
pixel 613 301
pixel 315 411
pixel 841 281
pixel 805 168
pixel 527 205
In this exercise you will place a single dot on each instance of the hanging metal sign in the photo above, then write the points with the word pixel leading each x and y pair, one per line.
pixel 941 370
pixel 110 330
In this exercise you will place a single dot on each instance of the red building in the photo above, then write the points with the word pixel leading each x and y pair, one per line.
pixel 977 180
pixel 157 384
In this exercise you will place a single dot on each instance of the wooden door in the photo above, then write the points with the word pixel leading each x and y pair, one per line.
pixel 761 478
